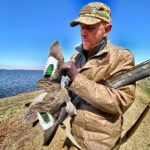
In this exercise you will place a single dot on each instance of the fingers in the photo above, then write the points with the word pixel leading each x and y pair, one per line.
pixel 69 69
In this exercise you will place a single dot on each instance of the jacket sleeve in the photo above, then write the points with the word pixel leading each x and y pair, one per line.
pixel 110 100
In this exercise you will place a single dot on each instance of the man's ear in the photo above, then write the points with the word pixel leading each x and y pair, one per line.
pixel 107 29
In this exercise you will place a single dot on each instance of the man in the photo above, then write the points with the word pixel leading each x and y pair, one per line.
pixel 97 125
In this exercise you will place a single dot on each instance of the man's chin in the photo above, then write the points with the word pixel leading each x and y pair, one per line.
pixel 86 47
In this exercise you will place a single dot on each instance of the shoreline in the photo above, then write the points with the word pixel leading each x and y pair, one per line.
pixel 21 94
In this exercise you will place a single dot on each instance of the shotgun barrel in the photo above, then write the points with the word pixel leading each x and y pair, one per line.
pixel 138 72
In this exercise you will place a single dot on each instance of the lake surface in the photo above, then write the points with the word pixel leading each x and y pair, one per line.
pixel 13 82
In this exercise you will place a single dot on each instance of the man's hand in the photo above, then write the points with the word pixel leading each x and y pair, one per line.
pixel 69 69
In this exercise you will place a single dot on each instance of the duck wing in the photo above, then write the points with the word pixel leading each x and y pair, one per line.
pixel 56 52
pixel 55 60
pixel 50 132
pixel 52 68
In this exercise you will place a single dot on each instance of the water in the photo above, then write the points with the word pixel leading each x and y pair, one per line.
pixel 13 82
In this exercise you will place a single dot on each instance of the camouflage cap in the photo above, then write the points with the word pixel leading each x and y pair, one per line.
pixel 93 13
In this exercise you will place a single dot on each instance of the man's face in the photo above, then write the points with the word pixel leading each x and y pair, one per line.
pixel 92 34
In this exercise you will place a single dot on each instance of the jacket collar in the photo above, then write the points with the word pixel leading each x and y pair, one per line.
pixel 90 64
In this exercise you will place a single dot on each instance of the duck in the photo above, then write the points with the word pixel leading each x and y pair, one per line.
pixel 46 107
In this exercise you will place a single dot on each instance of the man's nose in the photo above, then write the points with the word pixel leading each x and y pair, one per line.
pixel 84 32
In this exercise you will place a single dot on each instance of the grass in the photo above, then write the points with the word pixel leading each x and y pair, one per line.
pixel 140 135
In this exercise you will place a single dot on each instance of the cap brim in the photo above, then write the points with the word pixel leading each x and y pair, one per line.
pixel 85 20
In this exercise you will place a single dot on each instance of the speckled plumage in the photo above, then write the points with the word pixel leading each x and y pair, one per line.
pixel 54 94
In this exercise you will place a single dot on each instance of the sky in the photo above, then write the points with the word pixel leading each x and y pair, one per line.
pixel 29 27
